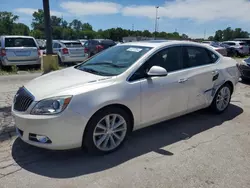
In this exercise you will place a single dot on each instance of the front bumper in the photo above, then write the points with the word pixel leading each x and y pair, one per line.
pixel 65 130
pixel 244 70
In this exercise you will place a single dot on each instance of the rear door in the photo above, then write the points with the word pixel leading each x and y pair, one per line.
pixel 203 75
pixel 21 49
pixel 75 48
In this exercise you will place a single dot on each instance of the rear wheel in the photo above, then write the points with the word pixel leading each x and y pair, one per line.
pixel 60 61
pixel 107 130
pixel 222 99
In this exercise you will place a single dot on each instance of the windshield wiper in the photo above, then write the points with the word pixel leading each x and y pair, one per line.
pixel 95 72
pixel 107 63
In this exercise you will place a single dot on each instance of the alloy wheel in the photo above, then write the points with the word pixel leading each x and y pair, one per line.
pixel 109 132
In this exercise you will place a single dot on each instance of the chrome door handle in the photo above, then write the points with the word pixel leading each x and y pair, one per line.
pixel 182 80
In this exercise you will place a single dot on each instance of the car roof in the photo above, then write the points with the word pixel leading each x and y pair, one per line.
pixel 14 36
pixel 233 41
pixel 64 41
pixel 161 43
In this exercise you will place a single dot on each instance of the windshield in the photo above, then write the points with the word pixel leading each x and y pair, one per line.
pixel 113 61
pixel 247 60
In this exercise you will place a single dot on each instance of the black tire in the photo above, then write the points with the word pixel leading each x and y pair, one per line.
pixel 60 61
pixel 213 106
pixel 88 141
pixel 244 79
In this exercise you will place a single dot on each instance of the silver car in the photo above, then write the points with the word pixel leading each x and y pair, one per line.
pixel 69 51
pixel 241 47
pixel 19 50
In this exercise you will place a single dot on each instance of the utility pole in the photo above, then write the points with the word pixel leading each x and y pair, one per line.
pixel 47 25
pixel 132 27
pixel 156 18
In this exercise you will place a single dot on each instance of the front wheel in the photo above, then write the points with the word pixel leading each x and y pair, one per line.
pixel 222 99
pixel 107 130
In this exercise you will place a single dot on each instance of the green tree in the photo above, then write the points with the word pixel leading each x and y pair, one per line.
pixel 211 38
pixel 20 29
pixel 38 20
pixel 87 26
pixel 76 25
pixel 218 35
pixel 7 20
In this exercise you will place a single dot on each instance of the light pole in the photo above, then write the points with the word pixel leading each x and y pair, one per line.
pixel 156 18
pixel 47 25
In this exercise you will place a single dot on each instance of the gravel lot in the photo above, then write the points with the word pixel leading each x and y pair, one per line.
pixel 197 150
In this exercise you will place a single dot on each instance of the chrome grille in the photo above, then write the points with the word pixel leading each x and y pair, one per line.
pixel 22 100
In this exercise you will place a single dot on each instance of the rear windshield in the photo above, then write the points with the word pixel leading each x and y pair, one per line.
pixel 19 42
pixel 72 44
pixel 107 43
pixel 243 43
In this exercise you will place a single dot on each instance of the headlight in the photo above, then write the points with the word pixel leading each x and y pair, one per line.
pixel 51 106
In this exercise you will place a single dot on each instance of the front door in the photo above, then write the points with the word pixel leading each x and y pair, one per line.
pixel 164 97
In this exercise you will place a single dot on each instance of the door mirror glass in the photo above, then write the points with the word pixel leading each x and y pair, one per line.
pixel 157 71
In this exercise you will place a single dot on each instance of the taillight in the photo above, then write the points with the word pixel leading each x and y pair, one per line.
pixel 241 47
pixel 86 50
pixel 38 52
pixel 3 52
pixel 65 51
pixel 99 47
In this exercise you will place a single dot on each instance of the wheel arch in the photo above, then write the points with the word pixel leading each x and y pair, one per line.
pixel 116 105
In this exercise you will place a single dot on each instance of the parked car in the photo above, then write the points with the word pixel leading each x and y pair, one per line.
pixel 244 68
pixel 83 41
pixel 241 48
pixel 19 50
pixel 231 52
pixel 216 47
pixel 246 40
pixel 95 46
pixel 69 51
pixel 96 104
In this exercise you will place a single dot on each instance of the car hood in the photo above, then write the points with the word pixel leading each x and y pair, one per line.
pixel 58 81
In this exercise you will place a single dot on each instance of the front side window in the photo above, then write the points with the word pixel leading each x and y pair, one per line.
pixel 113 61
pixel 19 42
pixel 169 58
pixel 197 56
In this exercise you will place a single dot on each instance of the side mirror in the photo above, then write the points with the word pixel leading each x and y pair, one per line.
pixel 157 71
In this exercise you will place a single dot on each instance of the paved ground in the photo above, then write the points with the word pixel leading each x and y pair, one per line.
pixel 197 150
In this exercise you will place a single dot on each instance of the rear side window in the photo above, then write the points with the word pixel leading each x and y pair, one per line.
pixel 19 42
pixel 72 44
pixel 197 56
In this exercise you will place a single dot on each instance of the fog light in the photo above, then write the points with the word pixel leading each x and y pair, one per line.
pixel 42 139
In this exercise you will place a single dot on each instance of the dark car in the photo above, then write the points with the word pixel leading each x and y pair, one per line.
pixel 244 68
pixel 95 46
pixel 231 52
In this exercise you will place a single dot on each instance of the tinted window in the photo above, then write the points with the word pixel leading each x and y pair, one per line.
pixel 19 42
pixel 242 43
pixel 196 56
pixel 72 44
pixel 230 43
pixel 169 58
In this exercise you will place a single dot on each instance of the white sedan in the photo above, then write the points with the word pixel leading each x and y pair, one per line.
pixel 96 104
